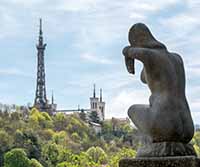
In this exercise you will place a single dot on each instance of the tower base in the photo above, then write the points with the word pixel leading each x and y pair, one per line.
pixel 179 161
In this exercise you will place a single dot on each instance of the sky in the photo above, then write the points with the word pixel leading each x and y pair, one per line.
pixel 84 40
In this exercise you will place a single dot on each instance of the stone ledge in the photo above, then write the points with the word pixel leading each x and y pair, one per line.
pixel 166 149
pixel 181 161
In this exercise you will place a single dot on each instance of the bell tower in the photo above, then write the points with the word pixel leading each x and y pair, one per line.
pixel 97 104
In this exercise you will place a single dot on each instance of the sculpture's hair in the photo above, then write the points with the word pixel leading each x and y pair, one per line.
pixel 141 36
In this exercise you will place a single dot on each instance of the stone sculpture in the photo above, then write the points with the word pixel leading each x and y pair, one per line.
pixel 167 119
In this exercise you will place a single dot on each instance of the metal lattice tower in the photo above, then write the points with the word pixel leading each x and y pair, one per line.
pixel 40 95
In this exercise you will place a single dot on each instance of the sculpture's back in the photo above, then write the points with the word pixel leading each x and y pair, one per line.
pixel 167 119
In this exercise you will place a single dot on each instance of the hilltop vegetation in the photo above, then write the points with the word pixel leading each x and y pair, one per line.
pixel 35 139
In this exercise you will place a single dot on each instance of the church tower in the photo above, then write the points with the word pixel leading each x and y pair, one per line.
pixel 97 104
pixel 101 106
pixel 94 100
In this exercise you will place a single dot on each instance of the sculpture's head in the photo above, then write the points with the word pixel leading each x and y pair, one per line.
pixel 140 36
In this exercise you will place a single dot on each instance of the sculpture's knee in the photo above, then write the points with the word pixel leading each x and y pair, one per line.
pixel 131 111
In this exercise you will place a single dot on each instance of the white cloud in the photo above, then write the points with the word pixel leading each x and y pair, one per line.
pixel 137 16
pixel 26 2
pixel 14 71
pixel 9 24
pixel 77 5
pixel 193 3
pixel 119 103
pixel 193 71
pixel 182 23
pixel 99 60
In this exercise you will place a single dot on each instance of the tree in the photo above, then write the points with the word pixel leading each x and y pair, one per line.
pixel 34 163
pixel 67 164
pixel 5 144
pixel 50 154
pixel 75 137
pixel 123 153
pixel 15 116
pixel 60 138
pixel 197 149
pixel 46 134
pixel 60 121
pixel 41 119
pixel 196 138
pixel 97 154
pixel 82 115
pixel 196 142
pixel 94 117
pixel 18 138
pixel 16 158
pixel 28 140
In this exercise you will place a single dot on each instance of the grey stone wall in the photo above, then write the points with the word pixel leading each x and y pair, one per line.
pixel 182 161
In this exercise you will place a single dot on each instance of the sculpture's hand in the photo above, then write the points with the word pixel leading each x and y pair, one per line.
pixel 125 50
pixel 130 63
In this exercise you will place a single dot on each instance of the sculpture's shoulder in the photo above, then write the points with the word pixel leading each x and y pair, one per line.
pixel 177 57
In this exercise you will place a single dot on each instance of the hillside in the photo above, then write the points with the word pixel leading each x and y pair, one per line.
pixel 36 139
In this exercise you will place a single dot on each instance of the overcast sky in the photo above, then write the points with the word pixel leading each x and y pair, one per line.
pixel 84 43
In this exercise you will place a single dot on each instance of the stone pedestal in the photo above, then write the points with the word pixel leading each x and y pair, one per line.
pixel 181 161
pixel 165 149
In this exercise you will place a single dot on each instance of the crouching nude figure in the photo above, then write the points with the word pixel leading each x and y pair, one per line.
pixel 167 119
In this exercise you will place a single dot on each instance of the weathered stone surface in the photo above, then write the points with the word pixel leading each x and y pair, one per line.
pixel 183 161
pixel 165 149
pixel 167 118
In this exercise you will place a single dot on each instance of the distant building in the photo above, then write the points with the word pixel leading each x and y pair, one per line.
pixel 97 127
pixel 117 123
pixel 97 105
pixel 13 108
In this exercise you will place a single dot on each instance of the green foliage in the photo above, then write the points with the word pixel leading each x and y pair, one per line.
pixel 197 149
pixel 46 134
pixel 97 154
pixel 196 138
pixel 82 116
pixel 75 137
pixel 16 158
pixel 60 121
pixel 196 142
pixel 5 144
pixel 5 141
pixel 28 140
pixel 123 153
pixel 34 163
pixel 94 117
pixel 41 119
pixel 50 154
pixel 59 140
pixel 15 116
pixel 66 164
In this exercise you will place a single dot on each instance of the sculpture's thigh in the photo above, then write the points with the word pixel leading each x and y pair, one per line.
pixel 142 117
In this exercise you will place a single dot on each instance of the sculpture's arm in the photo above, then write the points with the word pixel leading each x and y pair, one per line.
pixel 149 57
pixel 142 54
